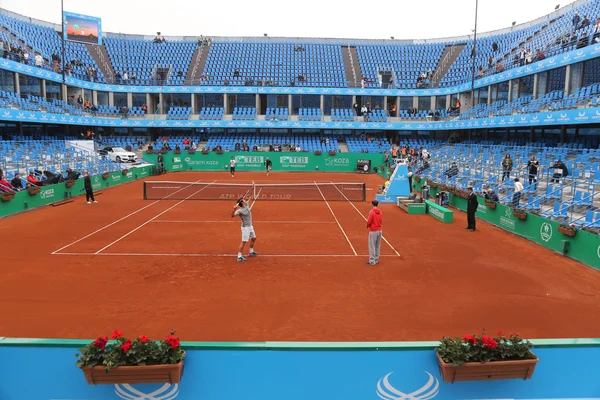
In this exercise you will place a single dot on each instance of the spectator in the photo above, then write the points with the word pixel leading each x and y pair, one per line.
pixel 532 166
pixel 133 76
pixel 180 74
pixel 528 57
pixel 118 77
pixel 125 77
pixel 585 23
pixel 480 73
pixel 31 179
pixel 583 41
pixel 576 20
pixel 517 195
pixel 16 182
pixel 364 110
pixel 490 195
pixel 452 171
pixel 5 186
pixel 39 60
pixel 507 166
pixel 80 100
pixel 144 108
pixel 596 32
pixel 560 171
pixel 522 53
pixel 499 67
pixel 539 55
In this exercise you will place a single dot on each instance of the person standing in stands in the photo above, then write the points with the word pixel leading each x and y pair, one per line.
pixel 518 190
pixel 374 223
pixel 532 166
pixel 89 192
pixel 472 205
pixel 507 166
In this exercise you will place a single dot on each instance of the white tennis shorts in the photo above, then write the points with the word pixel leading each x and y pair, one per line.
pixel 247 233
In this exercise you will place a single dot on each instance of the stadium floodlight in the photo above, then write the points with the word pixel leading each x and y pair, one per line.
pixel 557 7
pixel 157 33
pixel 391 37
pixel 514 23
pixel 265 34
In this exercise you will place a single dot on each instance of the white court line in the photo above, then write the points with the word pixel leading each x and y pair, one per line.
pixel 358 211
pixel 237 222
pixel 208 255
pixel 255 197
pixel 336 220
pixel 112 223
pixel 153 218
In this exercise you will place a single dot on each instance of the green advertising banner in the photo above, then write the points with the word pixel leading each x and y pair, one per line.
pixel 293 162
pixel 583 247
pixel 50 194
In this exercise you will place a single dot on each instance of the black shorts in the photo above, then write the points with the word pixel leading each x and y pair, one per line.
pixel 232 169
pixel 269 167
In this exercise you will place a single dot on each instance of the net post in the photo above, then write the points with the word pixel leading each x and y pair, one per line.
pixel 145 197
pixel 364 190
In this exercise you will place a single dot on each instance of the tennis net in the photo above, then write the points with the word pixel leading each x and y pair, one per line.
pixel 163 190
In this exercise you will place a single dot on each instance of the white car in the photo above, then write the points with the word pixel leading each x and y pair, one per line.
pixel 118 154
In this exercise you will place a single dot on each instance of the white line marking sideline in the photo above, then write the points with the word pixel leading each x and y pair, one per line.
pixel 210 255
pixel 336 220
pixel 153 218
pixel 237 222
pixel 358 211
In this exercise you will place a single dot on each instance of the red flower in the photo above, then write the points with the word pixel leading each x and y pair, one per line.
pixel 100 342
pixel 499 333
pixel 126 346
pixel 470 339
pixel 116 335
pixel 489 342
pixel 143 338
pixel 172 341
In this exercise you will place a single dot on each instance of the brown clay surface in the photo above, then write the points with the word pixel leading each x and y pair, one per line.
pixel 156 276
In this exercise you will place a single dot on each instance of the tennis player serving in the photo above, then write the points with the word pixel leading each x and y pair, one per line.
pixel 268 165
pixel 243 210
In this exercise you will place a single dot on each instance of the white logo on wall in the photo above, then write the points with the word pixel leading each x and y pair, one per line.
pixel 598 251
pixel 337 161
pixel 507 212
pixel 44 194
pixel 386 391
pixel 546 231
pixel 165 392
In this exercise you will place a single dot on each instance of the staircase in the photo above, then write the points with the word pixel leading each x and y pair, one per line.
pixel 13 37
pixel 515 51
pixel 450 54
pixel 202 144
pixel 343 146
pixel 197 65
pixel 351 66
pixel 100 56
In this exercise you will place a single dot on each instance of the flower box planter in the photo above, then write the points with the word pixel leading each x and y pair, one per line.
pixel 8 196
pixel 33 190
pixel 520 214
pixel 443 188
pixel 191 151
pixel 431 184
pixel 318 153
pixel 567 230
pixel 493 370
pixel 205 151
pixel 125 171
pixel 490 204
pixel 417 179
pixel 70 183
pixel 219 151
pixel 105 175
pixel 169 373
pixel 332 153
pixel 177 152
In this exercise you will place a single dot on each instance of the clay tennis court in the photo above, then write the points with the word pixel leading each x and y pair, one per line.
pixel 148 266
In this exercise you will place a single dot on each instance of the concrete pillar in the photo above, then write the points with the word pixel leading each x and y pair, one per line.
pixel 111 99
pixel 149 103
pixel 449 101
pixel 257 103
pixel 432 106
pixel 509 91
pixel 94 97
pixel 17 83
pixel 63 92
pixel 415 102
pixel 193 103
pixel 160 101
pixel 397 106
pixel 290 104
pixel 531 133
pixel 489 98
pixel 535 85
pixel 129 100
pixel 568 80
pixel 563 133
pixel 43 88
pixel 225 102
pixel 322 105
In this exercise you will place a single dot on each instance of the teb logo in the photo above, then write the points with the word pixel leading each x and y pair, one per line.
pixel 293 160
pixel 546 231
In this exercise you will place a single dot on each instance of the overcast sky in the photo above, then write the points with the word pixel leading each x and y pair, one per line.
pixel 402 19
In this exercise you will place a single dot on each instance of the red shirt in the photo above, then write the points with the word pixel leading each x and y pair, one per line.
pixel 375 219
pixel 31 179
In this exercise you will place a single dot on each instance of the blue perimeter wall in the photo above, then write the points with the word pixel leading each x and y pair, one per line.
pixel 45 369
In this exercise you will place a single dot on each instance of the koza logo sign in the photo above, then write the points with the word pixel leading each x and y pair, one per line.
pixel 341 162
pixel 546 232
pixel 386 391
pixel 46 194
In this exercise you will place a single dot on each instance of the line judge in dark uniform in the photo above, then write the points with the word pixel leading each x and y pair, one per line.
pixel 89 192
pixel 472 205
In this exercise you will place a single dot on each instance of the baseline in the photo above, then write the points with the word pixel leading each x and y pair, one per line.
pixel 206 255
